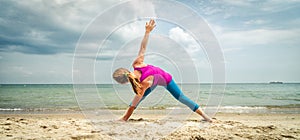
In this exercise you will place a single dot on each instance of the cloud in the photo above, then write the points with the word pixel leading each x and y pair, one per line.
pixel 45 27
pixel 241 9
pixel 20 69
pixel 31 30
pixel 255 22
pixel 196 54
pixel 267 37
pixel 261 6
pixel 28 68
pixel 117 29
pixel 144 7
pixel 131 31
pixel 234 49
pixel 184 39
pixel 136 28
pixel 278 5
pixel 237 2
pixel 48 28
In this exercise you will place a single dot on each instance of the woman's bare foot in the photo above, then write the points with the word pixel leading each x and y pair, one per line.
pixel 203 115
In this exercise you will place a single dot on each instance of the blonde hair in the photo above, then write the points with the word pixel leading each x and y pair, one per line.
pixel 123 76
pixel 120 75
pixel 135 83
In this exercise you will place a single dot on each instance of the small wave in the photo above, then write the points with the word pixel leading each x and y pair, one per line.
pixel 24 110
pixel 242 107
pixel 259 109
pixel 11 109
pixel 176 107
pixel 288 99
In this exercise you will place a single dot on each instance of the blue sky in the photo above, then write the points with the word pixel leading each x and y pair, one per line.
pixel 259 39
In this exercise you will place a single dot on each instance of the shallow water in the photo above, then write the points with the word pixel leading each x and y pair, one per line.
pixel 67 97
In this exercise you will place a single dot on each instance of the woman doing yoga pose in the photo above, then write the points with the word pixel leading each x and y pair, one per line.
pixel 146 77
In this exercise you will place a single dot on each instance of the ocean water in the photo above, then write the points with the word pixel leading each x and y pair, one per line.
pixel 35 98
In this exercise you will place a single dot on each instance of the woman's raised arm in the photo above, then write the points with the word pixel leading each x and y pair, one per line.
pixel 140 58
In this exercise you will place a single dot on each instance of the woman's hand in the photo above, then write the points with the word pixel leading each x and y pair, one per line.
pixel 150 26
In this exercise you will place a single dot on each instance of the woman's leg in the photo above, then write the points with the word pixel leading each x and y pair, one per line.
pixel 173 88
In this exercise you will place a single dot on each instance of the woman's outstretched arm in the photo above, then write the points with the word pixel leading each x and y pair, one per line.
pixel 131 108
pixel 137 98
pixel 140 58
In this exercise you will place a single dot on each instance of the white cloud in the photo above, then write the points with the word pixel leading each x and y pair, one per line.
pixel 143 7
pixel 211 10
pixel 73 15
pixel 250 8
pixel 53 27
pixel 136 29
pixel 234 49
pixel 237 2
pixel 48 27
pixel 260 37
pixel 131 31
pixel 184 39
pixel 195 52
pixel 278 5
pixel 255 22
pixel 21 70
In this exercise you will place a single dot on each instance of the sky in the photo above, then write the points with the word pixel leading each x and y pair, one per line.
pixel 49 41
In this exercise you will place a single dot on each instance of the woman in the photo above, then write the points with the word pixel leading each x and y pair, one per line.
pixel 146 77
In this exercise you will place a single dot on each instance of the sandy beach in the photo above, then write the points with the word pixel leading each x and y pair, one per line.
pixel 76 126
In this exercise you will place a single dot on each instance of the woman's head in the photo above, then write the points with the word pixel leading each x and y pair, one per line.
pixel 121 75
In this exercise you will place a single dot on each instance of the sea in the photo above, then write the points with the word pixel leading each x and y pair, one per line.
pixel 69 98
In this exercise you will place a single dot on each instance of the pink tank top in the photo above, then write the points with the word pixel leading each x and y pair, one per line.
pixel 161 77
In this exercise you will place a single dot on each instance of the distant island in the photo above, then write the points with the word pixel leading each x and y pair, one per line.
pixel 275 82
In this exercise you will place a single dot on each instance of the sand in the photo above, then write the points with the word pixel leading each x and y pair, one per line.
pixel 76 126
